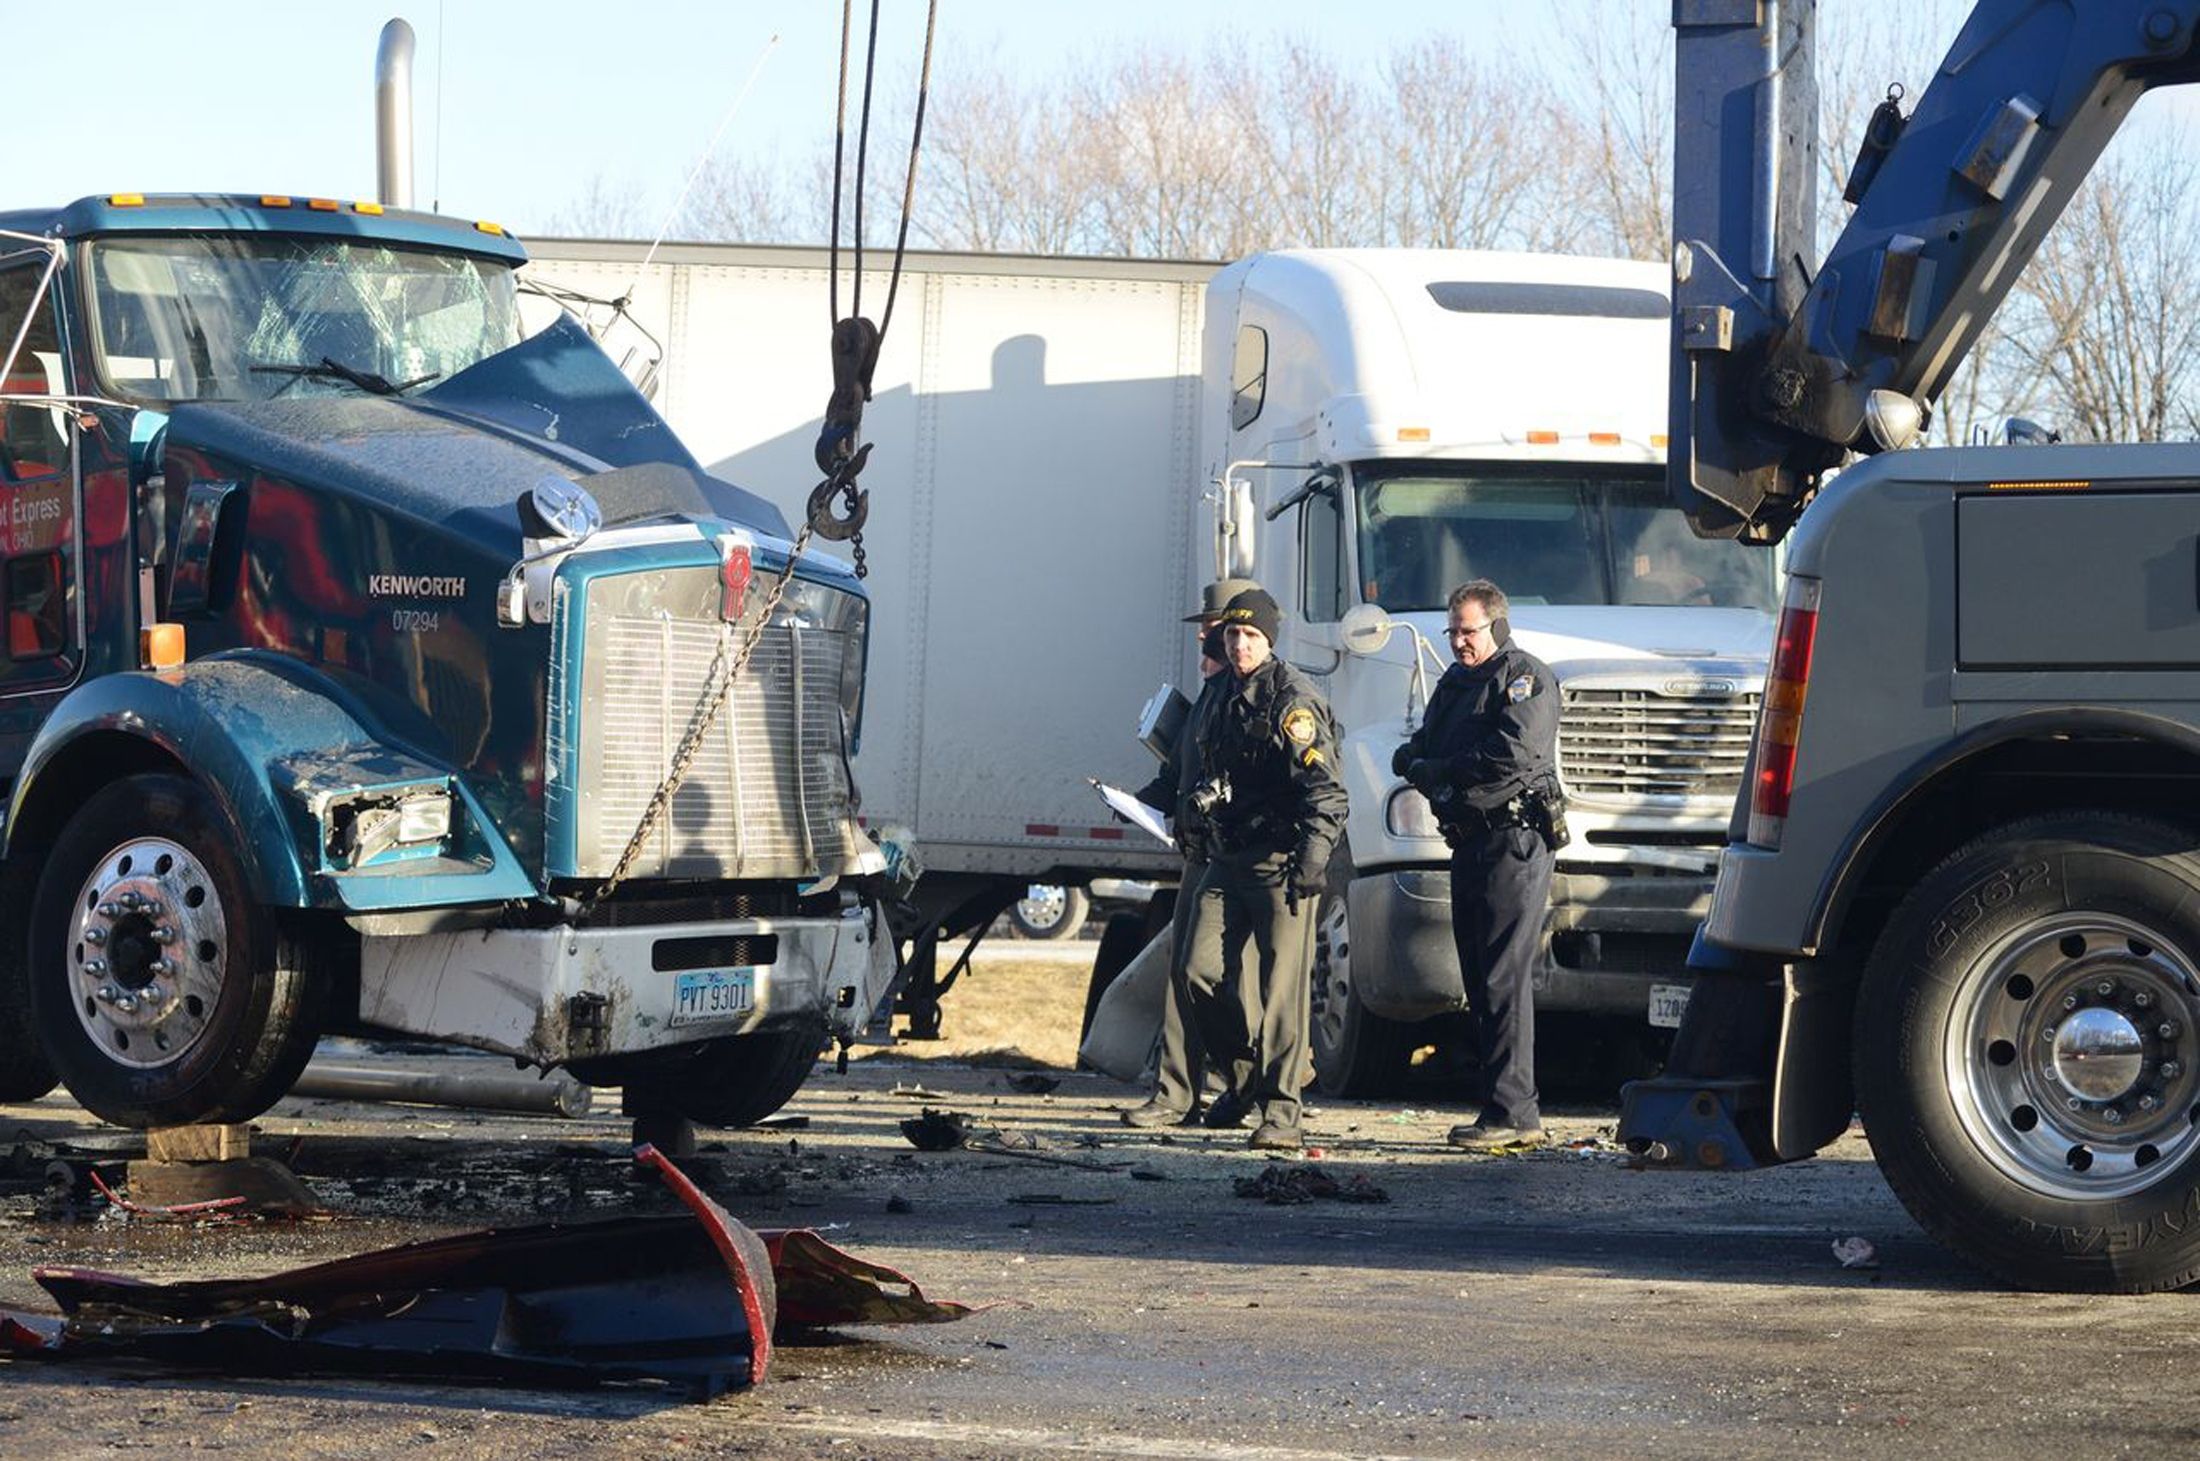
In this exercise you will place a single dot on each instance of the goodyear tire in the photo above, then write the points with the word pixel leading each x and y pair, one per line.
pixel 164 994
pixel 737 1081
pixel 2028 1053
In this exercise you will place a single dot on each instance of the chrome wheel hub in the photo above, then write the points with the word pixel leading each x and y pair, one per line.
pixel 2071 1055
pixel 147 947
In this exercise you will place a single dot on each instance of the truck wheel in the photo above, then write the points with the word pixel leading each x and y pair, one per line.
pixel 163 992
pixel 737 1081
pixel 2028 1053
pixel 1048 910
pixel 1356 1052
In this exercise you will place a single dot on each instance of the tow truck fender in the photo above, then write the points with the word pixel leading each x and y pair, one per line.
pixel 269 738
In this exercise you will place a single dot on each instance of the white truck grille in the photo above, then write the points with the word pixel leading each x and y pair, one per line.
pixel 768 794
pixel 1621 744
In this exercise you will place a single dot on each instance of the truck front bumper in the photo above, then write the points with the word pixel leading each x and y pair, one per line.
pixel 555 995
pixel 1606 941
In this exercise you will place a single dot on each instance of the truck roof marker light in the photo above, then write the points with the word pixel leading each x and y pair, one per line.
pixel 160 646
pixel 1780 720
pixel 2037 486
pixel 487 227
pixel 366 207
pixel 1543 438
pixel 1413 433
pixel 1659 440
pixel 1604 438
pixel 126 200
pixel 324 205
pixel 274 200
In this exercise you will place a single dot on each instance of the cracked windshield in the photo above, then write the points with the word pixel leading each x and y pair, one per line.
pixel 1549 538
pixel 252 318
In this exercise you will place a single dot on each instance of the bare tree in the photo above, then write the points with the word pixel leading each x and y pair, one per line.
pixel 1617 126
pixel 2108 304
pixel 1467 150
pixel 605 208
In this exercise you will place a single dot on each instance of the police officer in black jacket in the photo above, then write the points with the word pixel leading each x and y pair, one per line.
pixel 1486 757
pixel 1176 1099
pixel 1270 792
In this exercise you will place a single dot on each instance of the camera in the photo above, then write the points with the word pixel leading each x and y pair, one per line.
pixel 1209 794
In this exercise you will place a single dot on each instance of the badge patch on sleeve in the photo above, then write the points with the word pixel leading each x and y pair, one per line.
pixel 1300 726
pixel 1520 688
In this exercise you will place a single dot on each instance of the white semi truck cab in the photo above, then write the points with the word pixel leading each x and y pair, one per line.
pixel 1387 424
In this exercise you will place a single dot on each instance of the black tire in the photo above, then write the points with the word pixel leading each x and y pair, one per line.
pixel 221 1034
pixel 1357 1053
pixel 25 1072
pixel 737 1081
pixel 1057 913
pixel 2026 1053
pixel 1121 939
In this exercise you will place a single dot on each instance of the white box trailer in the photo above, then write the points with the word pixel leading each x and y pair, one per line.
pixel 1045 505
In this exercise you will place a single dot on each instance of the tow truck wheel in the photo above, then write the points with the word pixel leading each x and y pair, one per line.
pixel 1357 1053
pixel 737 1081
pixel 164 994
pixel 2028 1053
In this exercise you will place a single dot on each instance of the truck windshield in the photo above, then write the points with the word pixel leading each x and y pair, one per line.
pixel 213 317
pixel 1545 536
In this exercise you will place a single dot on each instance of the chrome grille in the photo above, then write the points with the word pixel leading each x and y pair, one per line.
pixel 768 794
pixel 1618 744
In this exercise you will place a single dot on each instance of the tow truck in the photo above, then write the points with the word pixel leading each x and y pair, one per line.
pixel 1961 891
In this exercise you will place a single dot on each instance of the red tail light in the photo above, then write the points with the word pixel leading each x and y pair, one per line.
pixel 1780 722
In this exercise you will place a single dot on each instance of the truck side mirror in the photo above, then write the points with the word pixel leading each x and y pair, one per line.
pixel 1364 629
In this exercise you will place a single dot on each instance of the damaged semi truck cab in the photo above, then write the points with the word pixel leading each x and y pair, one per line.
pixel 349 636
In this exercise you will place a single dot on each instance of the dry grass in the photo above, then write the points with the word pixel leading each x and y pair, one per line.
pixel 1016 1006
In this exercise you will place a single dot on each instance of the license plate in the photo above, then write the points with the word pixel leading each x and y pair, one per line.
pixel 1668 1002
pixel 713 994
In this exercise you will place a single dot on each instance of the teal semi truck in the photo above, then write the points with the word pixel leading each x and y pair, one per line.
pixel 350 640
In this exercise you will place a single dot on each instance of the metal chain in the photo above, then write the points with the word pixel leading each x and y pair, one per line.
pixel 717 689
pixel 849 497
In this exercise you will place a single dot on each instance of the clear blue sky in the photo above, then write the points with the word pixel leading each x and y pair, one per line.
pixel 255 95
pixel 519 105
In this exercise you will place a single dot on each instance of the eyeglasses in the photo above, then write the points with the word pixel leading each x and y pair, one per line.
pixel 1465 631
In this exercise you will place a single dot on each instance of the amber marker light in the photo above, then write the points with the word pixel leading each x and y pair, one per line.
pixel 126 200
pixel 1413 433
pixel 2037 486
pixel 274 200
pixel 324 205
pixel 160 646
pixel 1543 438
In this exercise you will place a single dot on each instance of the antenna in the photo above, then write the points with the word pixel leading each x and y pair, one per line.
pixel 695 173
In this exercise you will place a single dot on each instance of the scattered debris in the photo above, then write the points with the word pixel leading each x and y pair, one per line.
pixel 1856 1252
pixel 901 1092
pixel 1031 1083
pixel 685 1300
pixel 935 1130
pixel 1056 1199
pixel 411 1083
pixel 898 1204
pixel 1284 1184
pixel 820 1285
pixel 784 1121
